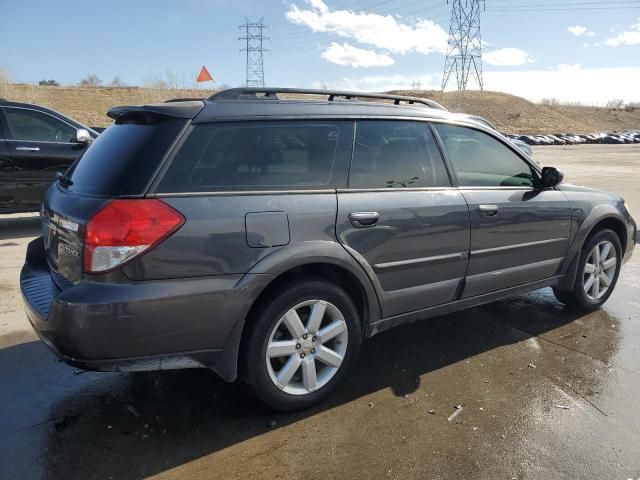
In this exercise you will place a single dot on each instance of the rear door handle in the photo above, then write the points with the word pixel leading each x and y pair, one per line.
pixel 28 149
pixel 488 210
pixel 363 219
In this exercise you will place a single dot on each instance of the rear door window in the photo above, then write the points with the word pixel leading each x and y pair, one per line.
pixel 480 160
pixel 396 154
pixel 31 125
pixel 122 160
pixel 260 155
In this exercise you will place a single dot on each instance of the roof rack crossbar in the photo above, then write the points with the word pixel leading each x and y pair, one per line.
pixel 332 95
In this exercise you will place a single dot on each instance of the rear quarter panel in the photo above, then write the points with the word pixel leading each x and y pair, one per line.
pixel 213 240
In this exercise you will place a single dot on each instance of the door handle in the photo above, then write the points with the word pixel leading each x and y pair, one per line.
pixel 363 219
pixel 28 149
pixel 488 210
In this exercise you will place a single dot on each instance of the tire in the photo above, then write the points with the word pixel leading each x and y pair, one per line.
pixel 583 296
pixel 300 346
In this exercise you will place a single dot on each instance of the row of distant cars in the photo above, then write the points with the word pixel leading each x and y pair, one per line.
pixel 573 139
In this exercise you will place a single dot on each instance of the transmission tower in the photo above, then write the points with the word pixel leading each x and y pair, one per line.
pixel 254 47
pixel 464 54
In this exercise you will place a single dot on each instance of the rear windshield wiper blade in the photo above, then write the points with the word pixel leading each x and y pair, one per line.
pixel 63 179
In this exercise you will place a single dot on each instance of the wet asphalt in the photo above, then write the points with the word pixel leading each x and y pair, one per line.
pixel 544 392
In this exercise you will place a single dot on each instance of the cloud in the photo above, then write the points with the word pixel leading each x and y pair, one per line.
pixel 383 83
pixel 577 30
pixel 629 37
pixel 348 55
pixel 593 86
pixel 385 32
pixel 507 57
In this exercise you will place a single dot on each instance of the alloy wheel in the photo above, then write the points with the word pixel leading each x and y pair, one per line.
pixel 306 347
pixel 600 270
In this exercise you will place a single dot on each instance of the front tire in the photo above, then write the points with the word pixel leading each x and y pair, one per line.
pixel 598 271
pixel 301 343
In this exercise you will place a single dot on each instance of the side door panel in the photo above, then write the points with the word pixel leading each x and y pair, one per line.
pixel 526 240
pixel 6 183
pixel 36 156
pixel 34 170
pixel 417 249
pixel 519 232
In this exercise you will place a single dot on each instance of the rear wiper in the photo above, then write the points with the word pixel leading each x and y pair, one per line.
pixel 63 179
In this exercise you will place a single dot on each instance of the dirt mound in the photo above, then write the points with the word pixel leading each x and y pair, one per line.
pixel 513 114
pixel 509 113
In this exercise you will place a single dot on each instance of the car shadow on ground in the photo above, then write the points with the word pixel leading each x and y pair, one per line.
pixel 136 425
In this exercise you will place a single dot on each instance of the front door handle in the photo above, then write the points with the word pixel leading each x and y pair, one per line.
pixel 488 210
pixel 28 149
pixel 363 219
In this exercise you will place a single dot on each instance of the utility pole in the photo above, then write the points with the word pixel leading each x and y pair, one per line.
pixel 254 47
pixel 464 54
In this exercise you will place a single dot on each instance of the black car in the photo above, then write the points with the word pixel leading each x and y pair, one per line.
pixel 35 144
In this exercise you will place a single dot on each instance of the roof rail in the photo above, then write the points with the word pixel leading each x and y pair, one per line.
pixel 250 93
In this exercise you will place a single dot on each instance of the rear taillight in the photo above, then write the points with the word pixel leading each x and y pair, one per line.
pixel 123 229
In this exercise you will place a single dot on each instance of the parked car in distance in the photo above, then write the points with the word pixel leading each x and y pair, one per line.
pixel 557 140
pixel 613 139
pixel 265 239
pixel 35 144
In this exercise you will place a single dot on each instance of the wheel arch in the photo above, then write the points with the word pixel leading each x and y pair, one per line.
pixel 596 221
pixel 324 260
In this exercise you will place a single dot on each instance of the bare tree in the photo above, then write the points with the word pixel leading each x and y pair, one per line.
pixel 90 80
pixel 615 103
pixel 117 82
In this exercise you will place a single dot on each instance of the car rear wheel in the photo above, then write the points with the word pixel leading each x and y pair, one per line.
pixel 598 270
pixel 301 343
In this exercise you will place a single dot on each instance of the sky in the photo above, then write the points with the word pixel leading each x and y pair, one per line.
pixel 573 50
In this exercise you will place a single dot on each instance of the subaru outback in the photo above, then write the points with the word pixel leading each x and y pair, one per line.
pixel 265 237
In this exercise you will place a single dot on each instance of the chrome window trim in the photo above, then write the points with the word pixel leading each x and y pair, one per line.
pixel 41 141
pixel 243 193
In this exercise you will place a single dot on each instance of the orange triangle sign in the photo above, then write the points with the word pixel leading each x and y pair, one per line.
pixel 204 75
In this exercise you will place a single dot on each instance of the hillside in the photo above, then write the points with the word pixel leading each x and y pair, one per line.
pixel 513 114
pixel 509 113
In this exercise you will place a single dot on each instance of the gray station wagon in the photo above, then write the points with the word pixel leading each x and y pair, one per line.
pixel 265 238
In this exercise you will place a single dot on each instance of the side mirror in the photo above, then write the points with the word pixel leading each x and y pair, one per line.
pixel 551 177
pixel 83 136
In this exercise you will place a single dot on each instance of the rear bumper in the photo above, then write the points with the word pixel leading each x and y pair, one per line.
pixel 168 324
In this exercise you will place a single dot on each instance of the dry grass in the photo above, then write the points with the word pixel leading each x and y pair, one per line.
pixel 509 113
pixel 516 115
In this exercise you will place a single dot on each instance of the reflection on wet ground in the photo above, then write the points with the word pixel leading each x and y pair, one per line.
pixel 545 393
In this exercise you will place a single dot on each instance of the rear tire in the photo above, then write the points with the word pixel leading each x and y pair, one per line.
pixel 301 343
pixel 598 271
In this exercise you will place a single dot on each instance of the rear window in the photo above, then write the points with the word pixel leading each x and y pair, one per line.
pixel 124 157
pixel 260 155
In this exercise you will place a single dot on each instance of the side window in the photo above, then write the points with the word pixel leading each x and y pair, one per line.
pixel 396 154
pixel 30 125
pixel 257 155
pixel 480 160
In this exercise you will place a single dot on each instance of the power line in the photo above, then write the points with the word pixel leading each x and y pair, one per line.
pixel 464 52
pixel 254 48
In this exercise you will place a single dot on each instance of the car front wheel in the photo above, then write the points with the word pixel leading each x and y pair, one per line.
pixel 300 344
pixel 598 270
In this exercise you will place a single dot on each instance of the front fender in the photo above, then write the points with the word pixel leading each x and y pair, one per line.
pixel 595 216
